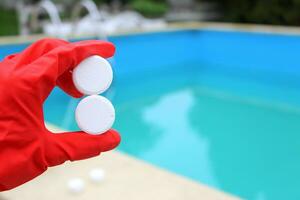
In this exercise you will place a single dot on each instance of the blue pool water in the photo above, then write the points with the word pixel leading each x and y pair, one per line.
pixel 219 107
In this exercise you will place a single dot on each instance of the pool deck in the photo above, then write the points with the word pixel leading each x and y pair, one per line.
pixel 126 178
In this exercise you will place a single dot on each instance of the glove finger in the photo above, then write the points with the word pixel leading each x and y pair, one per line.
pixel 63 59
pixel 78 145
pixel 36 50
pixel 67 57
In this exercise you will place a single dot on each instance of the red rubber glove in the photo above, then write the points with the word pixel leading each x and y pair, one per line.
pixel 27 148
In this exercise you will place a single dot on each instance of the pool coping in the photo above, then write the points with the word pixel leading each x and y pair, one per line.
pixel 127 178
pixel 255 28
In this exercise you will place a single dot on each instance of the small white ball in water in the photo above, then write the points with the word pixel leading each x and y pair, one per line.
pixel 76 185
pixel 97 175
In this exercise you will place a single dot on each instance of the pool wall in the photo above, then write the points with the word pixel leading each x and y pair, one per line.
pixel 270 53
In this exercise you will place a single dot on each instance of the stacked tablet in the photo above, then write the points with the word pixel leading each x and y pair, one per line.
pixel 94 114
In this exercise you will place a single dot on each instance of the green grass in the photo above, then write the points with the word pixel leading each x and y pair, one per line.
pixel 150 8
pixel 8 22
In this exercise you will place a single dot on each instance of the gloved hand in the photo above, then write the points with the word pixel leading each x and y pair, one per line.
pixel 27 148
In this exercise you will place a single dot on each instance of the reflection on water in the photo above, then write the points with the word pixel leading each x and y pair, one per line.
pixel 170 117
pixel 130 123
pixel 132 99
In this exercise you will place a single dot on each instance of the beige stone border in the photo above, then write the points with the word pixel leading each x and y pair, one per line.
pixel 272 29
pixel 126 178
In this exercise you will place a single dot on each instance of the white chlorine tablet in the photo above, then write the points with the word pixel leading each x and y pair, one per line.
pixel 76 185
pixel 93 75
pixel 97 175
pixel 95 114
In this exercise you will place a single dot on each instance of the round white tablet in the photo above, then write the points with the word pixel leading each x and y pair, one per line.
pixel 76 185
pixel 95 114
pixel 93 75
pixel 97 175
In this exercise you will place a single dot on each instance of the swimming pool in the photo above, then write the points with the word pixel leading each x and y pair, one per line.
pixel 219 107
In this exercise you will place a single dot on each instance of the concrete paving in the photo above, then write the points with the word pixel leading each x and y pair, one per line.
pixel 126 178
